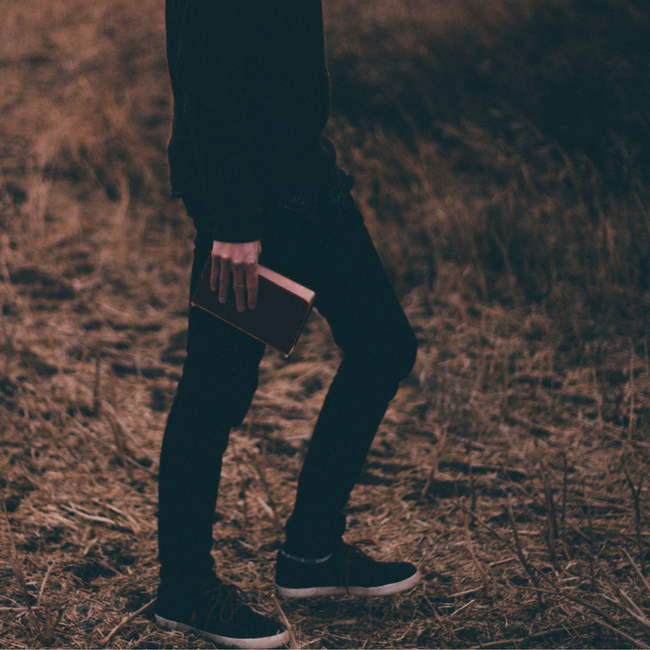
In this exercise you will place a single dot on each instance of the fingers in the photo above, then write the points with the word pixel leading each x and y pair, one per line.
pixel 246 286
pixel 224 280
pixel 239 263
pixel 240 287
pixel 214 273
pixel 252 285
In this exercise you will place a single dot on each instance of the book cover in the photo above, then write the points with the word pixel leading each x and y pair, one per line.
pixel 282 308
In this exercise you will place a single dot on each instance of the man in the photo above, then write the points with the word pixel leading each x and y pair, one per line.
pixel 247 155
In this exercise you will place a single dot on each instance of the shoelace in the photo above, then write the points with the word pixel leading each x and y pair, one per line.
pixel 229 596
pixel 353 549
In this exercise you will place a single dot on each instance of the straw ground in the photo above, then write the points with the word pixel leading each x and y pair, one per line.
pixel 511 467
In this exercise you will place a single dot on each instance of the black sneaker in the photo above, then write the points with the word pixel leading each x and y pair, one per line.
pixel 348 570
pixel 219 612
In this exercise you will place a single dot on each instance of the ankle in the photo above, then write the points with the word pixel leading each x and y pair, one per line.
pixel 310 548
pixel 306 560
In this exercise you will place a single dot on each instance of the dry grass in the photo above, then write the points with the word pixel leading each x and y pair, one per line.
pixel 512 464
pixel 510 138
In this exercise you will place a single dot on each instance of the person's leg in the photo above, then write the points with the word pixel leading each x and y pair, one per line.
pixel 335 257
pixel 214 394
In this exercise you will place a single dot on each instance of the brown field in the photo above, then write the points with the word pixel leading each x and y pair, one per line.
pixel 501 152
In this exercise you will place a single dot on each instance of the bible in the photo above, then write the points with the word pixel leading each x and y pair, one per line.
pixel 279 317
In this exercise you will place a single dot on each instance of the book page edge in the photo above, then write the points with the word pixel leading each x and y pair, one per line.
pixel 287 283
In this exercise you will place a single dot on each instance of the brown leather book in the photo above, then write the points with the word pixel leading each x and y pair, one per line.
pixel 282 308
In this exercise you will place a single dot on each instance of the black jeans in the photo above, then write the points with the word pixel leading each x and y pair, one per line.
pixel 328 250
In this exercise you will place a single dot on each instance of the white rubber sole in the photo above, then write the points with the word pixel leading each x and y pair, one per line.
pixel 383 590
pixel 275 641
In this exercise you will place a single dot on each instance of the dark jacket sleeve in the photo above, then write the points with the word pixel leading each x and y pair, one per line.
pixel 214 68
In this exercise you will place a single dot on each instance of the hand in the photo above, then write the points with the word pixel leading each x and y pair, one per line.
pixel 240 260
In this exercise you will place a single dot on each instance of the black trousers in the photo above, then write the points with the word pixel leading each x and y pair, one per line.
pixel 328 250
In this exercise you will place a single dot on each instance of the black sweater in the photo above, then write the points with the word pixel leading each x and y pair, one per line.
pixel 251 99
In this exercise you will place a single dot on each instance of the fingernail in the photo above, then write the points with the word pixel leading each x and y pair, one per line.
pixel 240 309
